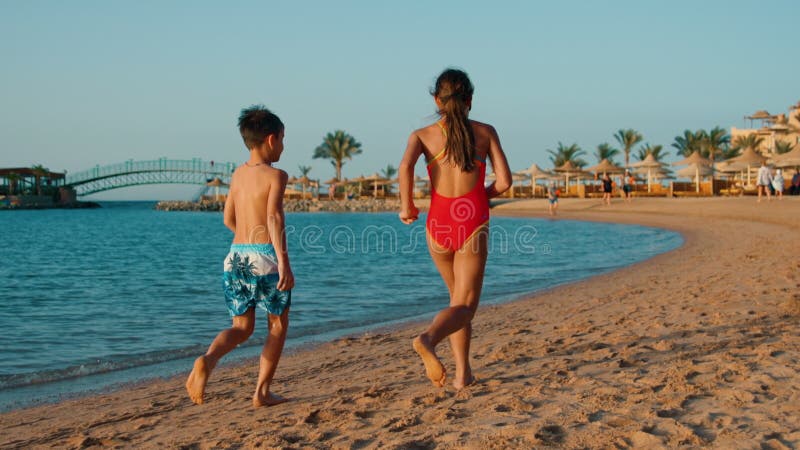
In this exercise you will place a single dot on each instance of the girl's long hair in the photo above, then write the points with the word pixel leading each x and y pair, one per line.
pixel 454 91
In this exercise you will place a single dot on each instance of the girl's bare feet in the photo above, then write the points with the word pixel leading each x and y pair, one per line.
pixel 433 367
pixel 268 400
pixel 196 384
pixel 462 383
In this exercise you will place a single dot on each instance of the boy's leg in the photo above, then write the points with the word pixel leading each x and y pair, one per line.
pixel 226 340
pixel 273 347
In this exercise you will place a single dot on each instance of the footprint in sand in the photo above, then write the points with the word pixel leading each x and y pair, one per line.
pixel 551 434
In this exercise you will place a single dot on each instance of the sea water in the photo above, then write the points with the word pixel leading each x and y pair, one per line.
pixel 91 298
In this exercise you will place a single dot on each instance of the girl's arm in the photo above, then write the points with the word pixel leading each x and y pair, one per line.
pixel 500 165
pixel 408 212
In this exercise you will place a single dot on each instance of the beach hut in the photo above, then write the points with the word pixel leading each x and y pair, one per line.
pixel 534 171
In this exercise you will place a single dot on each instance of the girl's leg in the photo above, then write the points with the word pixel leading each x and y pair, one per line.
pixel 273 347
pixel 468 267
pixel 226 340
pixel 424 344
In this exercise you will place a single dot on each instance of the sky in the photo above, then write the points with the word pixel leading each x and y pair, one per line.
pixel 98 82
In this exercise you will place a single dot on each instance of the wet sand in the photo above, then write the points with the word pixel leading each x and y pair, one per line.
pixel 696 347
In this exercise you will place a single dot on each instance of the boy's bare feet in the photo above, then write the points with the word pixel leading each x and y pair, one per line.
pixel 270 400
pixel 196 384
pixel 433 367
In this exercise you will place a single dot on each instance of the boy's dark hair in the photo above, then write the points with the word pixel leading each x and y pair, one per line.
pixel 256 123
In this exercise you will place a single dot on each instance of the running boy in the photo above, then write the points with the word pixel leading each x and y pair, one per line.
pixel 256 271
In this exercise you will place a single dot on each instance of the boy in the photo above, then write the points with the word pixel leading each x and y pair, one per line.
pixel 256 271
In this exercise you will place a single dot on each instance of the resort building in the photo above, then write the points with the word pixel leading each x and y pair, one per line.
pixel 773 129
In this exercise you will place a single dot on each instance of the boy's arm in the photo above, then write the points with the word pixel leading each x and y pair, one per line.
pixel 229 212
pixel 500 164
pixel 277 229
pixel 408 211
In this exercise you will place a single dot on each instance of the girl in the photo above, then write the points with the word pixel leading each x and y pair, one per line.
pixel 456 149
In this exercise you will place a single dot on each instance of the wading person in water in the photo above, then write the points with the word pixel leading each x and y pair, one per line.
pixel 456 149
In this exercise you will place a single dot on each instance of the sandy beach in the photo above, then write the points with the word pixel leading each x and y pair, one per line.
pixel 698 347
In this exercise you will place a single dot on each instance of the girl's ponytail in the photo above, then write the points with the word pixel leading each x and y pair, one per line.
pixel 454 91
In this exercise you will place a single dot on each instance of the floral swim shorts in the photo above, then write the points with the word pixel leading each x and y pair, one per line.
pixel 250 279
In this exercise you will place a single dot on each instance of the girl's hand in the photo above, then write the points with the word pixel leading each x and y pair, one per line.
pixel 409 215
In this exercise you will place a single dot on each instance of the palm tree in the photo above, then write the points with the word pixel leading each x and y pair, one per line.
pixel 782 147
pixel 337 147
pixel 752 141
pixel 716 141
pixel 627 139
pixel 689 142
pixel 304 170
pixel 389 172
pixel 13 179
pixel 648 149
pixel 38 172
pixel 606 151
pixel 562 154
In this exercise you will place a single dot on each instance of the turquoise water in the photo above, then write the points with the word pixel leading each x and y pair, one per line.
pixel 101 296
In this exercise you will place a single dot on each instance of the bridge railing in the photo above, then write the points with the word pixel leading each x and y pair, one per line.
pixel 196 165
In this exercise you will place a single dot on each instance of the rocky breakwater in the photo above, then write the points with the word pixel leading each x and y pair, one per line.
pixel 292 205
pixel 189 206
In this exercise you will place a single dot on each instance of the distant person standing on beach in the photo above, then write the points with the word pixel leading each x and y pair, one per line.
pixel 256 270
pixel 628 183
pixel 764 180
pixel 608 186
pixel 552 198
pixel 795 188
pixel 456 149
pixel 777 184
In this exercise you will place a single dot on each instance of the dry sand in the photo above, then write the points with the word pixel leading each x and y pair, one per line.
pixel 697 347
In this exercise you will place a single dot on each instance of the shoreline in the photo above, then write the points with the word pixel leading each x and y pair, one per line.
pixel 526 383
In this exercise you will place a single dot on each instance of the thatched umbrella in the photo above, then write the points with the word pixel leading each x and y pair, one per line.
pixel 648 165
pixel 694 171
pixel 748 157
pixel 216 183
pixel 789 159
pixel 377 180
pixel 568 169
pixel 696 161
pixel 534 171
pixel 605 166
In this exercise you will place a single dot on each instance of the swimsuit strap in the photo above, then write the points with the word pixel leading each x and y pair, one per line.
pixel 439 155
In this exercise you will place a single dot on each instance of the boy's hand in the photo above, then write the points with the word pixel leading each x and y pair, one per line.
pixel 286 280
pixel 409 215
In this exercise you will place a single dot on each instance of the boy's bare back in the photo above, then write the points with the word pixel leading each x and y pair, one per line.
pixel 255 200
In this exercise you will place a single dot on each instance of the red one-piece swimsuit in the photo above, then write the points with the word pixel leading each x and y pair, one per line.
pixel 452 221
